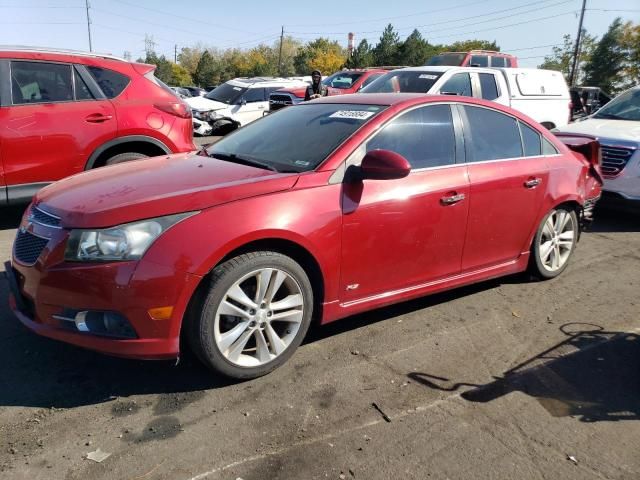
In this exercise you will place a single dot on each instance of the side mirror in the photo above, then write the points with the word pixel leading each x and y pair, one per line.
pixel 384 165
pixel 243 101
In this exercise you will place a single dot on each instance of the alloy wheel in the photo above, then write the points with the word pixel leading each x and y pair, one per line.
pixel 258 317
pixel 557 240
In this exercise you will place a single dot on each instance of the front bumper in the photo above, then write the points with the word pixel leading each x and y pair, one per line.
pixel 40 296
pixel 201 127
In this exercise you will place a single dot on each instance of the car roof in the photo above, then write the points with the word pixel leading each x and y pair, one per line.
pixel 29 50
pixel 262 82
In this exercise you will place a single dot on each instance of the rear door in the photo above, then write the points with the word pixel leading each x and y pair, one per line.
pixel 508 176
pixel 52 125
pixel 400 233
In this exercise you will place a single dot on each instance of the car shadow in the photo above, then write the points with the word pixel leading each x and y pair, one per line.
pixel 39 372
pixel 592 375
pixel 608 219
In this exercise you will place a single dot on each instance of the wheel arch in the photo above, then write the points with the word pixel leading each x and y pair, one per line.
pixel 130 143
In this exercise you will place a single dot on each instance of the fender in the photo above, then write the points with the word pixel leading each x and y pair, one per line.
pixel 119 141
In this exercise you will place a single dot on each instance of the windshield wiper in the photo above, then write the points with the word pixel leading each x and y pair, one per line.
pixel 232 157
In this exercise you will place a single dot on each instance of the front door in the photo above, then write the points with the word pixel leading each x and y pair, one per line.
pixel 253 105
pixel 508 178
pixel 400 233
pixel 52 125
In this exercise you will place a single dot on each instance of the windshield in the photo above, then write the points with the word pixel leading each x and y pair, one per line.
pixel 624 107
pixel 450 59
pixel 295 139
pixel 403 81
pixel 226 93
pixel 342 80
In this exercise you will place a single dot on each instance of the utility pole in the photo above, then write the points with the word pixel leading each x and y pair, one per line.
pixel 175 53
pixel 86 3
pixel 576 51
pixel 280 54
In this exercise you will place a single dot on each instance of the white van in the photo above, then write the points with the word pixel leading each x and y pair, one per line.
pixel 541 94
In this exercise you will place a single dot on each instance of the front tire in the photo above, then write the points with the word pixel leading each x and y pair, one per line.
pixel 554 242
pixel 256 312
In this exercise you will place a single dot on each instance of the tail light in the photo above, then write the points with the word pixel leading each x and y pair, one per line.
pixel 179 109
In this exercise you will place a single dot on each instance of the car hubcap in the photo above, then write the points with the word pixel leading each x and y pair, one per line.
pixel 259 317
pixel 556 241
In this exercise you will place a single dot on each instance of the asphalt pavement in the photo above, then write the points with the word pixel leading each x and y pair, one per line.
pixel 506 379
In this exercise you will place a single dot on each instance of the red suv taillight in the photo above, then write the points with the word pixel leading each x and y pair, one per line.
pixel 179 109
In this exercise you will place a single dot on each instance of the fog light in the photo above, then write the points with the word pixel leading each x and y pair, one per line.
pixel 106 324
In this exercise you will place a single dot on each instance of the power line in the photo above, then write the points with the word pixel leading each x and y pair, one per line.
pixel 39 7
pixel 429 12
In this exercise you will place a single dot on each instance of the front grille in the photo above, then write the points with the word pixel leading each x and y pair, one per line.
pixel 28 247
pixel 38 215
pixel 614 159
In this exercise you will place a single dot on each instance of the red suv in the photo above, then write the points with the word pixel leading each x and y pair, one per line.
pixel 474 58
pixel 65 112
pixel 380 198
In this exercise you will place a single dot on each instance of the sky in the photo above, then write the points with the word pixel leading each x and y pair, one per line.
pixel 525 28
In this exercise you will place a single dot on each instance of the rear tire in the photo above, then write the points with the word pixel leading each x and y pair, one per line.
pixel 255 313
pixel 554 243
pixel 124 157
pixel 223 127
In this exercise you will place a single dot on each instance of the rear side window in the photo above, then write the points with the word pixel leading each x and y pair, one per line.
pixel 508 62
pixel 498 62
pixel 530 141
pixel 479 61
pixel 424 136
pixel 494 136
pixel 81 89
pixel 548 148
pixel 459 84
pixel 111 83
pixel 489 87
pixel 40 82
pixel 370 79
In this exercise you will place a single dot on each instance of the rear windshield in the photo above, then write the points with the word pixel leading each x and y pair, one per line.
pixel 317 129
pixel 450 59
pixel 403 81
pixel 226 93
pixel 111 83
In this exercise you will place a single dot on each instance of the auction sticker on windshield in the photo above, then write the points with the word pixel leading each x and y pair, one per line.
pixel 354 114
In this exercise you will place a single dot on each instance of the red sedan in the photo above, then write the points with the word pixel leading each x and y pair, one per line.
pixel 317 212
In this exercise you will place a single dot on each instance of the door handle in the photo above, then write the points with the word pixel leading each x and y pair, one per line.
pixel 261 107
pixel 451 199
pixel 98 118
pixel 533 182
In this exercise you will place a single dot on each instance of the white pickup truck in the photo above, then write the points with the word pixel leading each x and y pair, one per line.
pixel 541 94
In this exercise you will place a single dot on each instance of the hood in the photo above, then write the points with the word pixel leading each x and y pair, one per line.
pixel 605 128
pixel 204 104
pixel 155 187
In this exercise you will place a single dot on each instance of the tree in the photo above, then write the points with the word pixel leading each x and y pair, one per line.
pixel 607 62
pixel 386 51
pixel 362 56
pixel 466 45
pixel 190 56
pixel 320 54
pixel 290 48
pixel 206 70
pixel 180 76
pixel 415 50
pixel 562 57
pixel 630 41
pixel 163 66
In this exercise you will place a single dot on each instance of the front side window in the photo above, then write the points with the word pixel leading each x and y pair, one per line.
pixel 498 62
pixel 479 61
pixel 342 81
pixel 403 81
pixel 531 141
pixel 488 86
pixel 40 82
pixel 318 129
pixel 493 135
pixel 111 83
pixel 254 95
pixel 371 78
pixel 424 136
pixel 458 84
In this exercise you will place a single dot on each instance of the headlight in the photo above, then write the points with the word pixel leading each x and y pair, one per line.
pixel 124 242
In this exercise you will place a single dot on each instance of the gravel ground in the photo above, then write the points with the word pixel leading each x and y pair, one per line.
pixel 507 379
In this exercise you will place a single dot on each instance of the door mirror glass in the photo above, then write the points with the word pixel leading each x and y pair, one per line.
pixel 384 165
